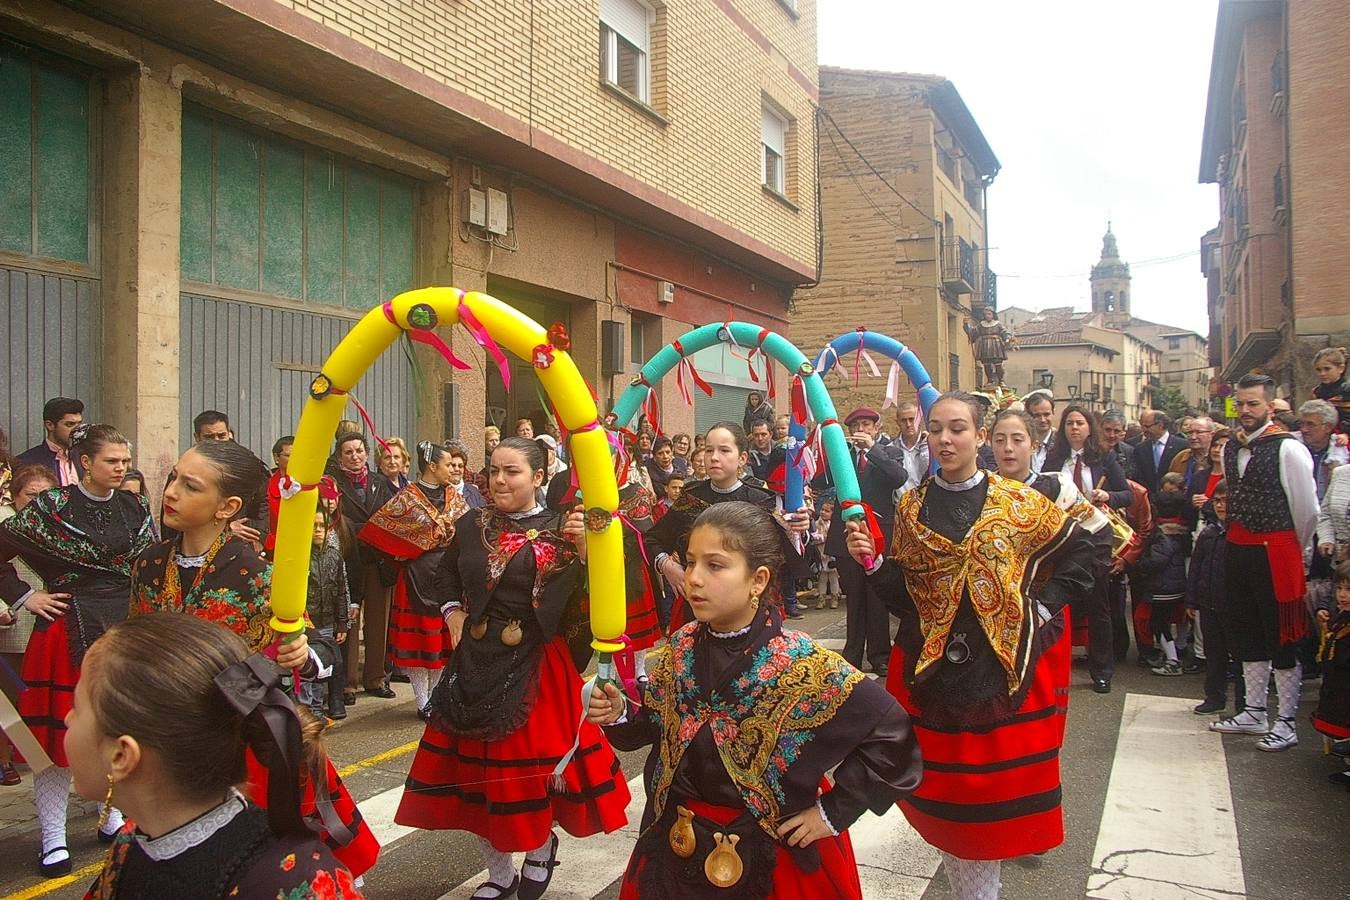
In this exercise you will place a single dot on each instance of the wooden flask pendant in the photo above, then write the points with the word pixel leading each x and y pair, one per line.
pixel 478 629
pixel 723 867
pixel 682 840
pixel 511 634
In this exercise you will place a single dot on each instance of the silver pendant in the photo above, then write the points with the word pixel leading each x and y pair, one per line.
pixel 958 651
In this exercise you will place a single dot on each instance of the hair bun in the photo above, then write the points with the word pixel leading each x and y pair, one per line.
pixel 424 450
pixel 80 432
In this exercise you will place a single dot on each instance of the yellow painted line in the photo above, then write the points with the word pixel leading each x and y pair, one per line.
pixel 88 873
pixel 91 871
pixel 392 753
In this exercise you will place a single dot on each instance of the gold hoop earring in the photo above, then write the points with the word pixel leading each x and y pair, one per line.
pixel 107 805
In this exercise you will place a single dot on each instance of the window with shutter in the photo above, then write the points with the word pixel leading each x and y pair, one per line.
pixel 625 37
pixel 773 133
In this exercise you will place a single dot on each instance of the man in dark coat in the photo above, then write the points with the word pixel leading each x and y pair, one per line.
pixel 60 415
pixel 1155 452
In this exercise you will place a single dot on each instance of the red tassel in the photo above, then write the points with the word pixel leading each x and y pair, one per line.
pixel 798 401
pixel 873 526
pixel 651 410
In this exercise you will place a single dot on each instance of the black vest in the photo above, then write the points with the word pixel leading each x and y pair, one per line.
pixel 1256 499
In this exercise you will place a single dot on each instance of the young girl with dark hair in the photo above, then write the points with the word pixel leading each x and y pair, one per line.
pixel 746 719
pixel 726 450
pixel 502 756
pixel 195 835
pixel 81 540
pixel 212 574
pixel 414 528
pixel 978 571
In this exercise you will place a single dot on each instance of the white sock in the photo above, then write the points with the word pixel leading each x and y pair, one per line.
pixel 115 821
pixel 1288 685
pixel 640 664
pixel 501 867
pixel 1169 648
pixel 420 679
pixel 972 879
pixel 539 855
pixel 51 793
pixel 1256 675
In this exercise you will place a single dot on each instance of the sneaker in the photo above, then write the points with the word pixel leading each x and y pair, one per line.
pixel 1209 707
pixel 1194 667
pixel 1169 667
pixel 795 613
pixel 1281 737
pixel 1251 720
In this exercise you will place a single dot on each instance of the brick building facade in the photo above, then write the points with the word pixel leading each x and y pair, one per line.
pixel 903 174
pixel 217 189
pixel 1274 137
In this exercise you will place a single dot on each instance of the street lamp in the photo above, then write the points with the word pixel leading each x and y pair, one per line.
pixel 1090 398
pixel 1073 392
pixel 1047 379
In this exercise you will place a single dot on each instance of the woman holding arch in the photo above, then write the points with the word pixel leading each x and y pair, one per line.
pixel 981 682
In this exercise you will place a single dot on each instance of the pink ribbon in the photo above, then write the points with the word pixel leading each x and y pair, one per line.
pixel 430 338
pixel 863 356
pixel 686 364
pixel 365 417
pixel 892 386
pixel 470 321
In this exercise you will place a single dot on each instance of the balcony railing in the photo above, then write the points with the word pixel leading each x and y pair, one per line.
pixel 958 266
pixel 1277 84
pixel 1281 212
pixel 990 289
pixel 1240 226
pixel 1239 113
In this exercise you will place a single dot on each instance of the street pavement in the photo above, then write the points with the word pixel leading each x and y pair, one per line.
pixel 1156 807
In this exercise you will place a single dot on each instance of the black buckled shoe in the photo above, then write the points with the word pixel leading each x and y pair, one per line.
pixel 54 869
pixel 383 692
pixel 502 891
pixel 531 889
pixel 1101 685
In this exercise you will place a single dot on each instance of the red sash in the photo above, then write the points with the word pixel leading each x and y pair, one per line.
pixel 1285 558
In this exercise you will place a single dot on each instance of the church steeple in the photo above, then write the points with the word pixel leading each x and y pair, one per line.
pixel 1111 283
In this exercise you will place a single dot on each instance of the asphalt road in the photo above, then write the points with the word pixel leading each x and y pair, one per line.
pixel 1291 826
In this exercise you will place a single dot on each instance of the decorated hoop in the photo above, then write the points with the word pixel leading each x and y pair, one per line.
pixel 807 389
pixel 859 342
pixel 489 321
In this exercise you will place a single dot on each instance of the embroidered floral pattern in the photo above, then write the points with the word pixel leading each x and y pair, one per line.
pixel 504 537
pixel 413 519
pixel 995 564
pixel 232 589
pixel 40 523
pixel 760 729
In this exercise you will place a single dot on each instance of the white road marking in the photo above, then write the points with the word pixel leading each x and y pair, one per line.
pixel 1168 828
pixel 378 811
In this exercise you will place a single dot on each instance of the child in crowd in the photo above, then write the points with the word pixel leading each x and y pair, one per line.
pixel 1333 707
pixel 674 487
pixel 828 584
pixel 712 825
pixel 1161 573
pixel 326 604
pixel 1205 595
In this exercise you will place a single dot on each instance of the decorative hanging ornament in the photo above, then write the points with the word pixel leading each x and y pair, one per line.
pixel 542 356
pixel 320 387
pixel 559 338
pixel 597 519
pixel 422 317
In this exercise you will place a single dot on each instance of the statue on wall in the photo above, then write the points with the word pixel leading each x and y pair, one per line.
pixel 992 343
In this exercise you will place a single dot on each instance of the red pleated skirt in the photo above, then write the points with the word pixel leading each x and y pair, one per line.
pixel 993 794
pixel 50 675
pixel 644 626
pixel 499 789
pixel 836 879
pixel 416 640
pixel 363 851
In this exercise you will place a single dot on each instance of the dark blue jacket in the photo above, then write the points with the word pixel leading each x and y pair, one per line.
pixel 1205 581
pixel 1161 568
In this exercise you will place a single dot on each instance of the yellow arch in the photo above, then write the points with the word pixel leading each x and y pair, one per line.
pixel 423 310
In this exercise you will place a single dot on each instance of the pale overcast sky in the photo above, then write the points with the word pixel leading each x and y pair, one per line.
pixel 1095 111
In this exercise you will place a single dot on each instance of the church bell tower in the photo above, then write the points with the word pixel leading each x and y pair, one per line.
pixel 1111 284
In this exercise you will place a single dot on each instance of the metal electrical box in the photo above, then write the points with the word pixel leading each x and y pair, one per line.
pixel 475 207
pixel 498 211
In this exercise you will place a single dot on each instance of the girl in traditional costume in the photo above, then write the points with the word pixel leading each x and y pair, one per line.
pixel 746 719
pixel 194 835
pixel 210 573
pixel 726 450
pixel 414 528
pixel 978 572
pixel 502 756
pixel 81 540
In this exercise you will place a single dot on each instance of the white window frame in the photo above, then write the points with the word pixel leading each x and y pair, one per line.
pixel 629 21
pixel 773 131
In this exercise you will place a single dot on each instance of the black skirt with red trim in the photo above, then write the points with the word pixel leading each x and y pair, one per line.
pixel 417 640
pixel 993 794
pixel 500 790
pixel 358 855
pixel 836 879
pixel 50 675
pixel 644 626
